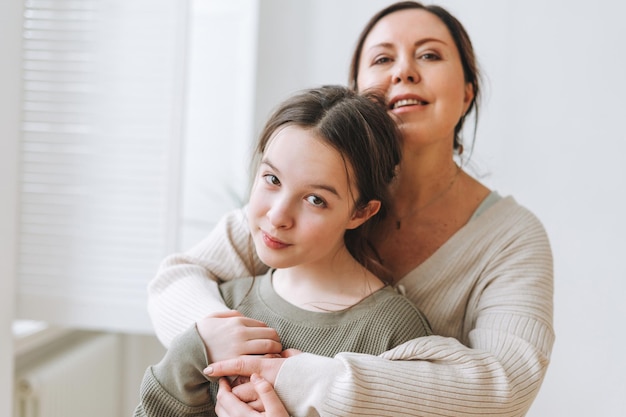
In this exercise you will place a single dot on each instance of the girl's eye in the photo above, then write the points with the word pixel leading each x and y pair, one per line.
pixel 316 201
pixel 271 179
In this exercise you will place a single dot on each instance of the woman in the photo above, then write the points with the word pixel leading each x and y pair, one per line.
pixel 478 265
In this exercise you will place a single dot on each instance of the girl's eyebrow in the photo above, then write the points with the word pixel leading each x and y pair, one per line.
pixel 326 187
pixel 266 161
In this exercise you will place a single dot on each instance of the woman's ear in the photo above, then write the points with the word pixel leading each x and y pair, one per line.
pixel 362 215
pixel 468 97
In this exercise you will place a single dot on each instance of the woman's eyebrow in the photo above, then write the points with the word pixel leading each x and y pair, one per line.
pixel 389 45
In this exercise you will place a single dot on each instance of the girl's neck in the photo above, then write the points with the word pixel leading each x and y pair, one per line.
pixel 330 286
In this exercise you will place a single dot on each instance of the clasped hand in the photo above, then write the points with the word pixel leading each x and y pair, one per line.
pixel 229 334
pixel 247 348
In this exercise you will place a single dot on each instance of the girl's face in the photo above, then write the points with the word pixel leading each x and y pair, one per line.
pixel 301 201
pixel 411 56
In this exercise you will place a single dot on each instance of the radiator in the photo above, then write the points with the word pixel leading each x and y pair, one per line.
pixel 80 380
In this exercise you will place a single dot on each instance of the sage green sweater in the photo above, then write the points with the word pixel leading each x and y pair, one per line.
pixel 177 387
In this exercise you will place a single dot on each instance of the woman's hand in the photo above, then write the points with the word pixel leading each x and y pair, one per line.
pixel 265 367
pixel 228 334
pixel 229 405
pixel 244 366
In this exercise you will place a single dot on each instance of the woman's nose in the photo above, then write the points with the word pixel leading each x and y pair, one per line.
pixel 406 71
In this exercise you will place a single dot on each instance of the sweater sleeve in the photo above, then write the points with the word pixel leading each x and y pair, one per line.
pixel 176 385
pixel 185 288
pixel 497 370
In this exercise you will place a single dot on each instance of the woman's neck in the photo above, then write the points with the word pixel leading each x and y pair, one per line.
pixel 421 181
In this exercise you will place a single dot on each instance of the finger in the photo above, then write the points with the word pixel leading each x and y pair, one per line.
pixel 224 386
pixel 263 346
pixel 245 392
pixel 256 347
pixel 225 314
pixel 287 353
pixel 246 321
pixel 251 332
pixel 239 380
pixel 228 405
pixel 243 365
pixel 267 368
pixel 272 404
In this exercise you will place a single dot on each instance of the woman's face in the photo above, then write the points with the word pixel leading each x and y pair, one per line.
pixel 411 56
pixel 302 201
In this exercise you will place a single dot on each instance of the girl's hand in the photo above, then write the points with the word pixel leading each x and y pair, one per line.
pixel 228 334
pixel 229 405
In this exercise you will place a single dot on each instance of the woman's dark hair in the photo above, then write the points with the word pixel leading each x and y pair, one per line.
pixel 358 126
pixel 463 45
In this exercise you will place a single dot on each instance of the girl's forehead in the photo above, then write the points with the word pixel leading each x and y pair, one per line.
pixel 294 133
pixel 292 136
pixel 309 155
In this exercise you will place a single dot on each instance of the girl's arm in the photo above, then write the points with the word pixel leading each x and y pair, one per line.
pixel 185 288
pixel 176 386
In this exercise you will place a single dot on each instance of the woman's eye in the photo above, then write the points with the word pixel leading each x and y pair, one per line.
pixel 316 201
pixel 381 60
pixel 271 179
pixel 429 56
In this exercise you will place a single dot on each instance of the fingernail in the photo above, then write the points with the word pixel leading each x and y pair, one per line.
pixel 254 378
pixel 208 370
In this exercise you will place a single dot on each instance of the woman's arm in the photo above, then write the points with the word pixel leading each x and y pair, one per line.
pixel 497 370
pixel 434 375
pixel 185 288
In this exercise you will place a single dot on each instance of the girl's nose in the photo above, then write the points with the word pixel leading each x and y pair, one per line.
pixel 280 214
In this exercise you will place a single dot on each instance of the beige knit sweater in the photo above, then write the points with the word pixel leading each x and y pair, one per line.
pixel 487 292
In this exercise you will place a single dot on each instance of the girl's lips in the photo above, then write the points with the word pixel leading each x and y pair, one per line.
pixel 273 243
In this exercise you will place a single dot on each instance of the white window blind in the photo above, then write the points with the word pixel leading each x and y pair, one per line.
pixel 100 149
pixel 137 125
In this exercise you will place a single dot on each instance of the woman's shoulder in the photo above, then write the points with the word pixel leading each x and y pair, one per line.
pixel 502 221
pixel 505 208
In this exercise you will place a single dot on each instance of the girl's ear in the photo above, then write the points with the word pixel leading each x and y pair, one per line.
pixel 360 216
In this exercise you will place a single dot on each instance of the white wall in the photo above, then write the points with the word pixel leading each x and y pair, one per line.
pixel 10 49
pixel 550 134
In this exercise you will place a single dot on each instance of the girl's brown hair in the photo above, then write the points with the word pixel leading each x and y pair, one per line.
pixel 358 126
